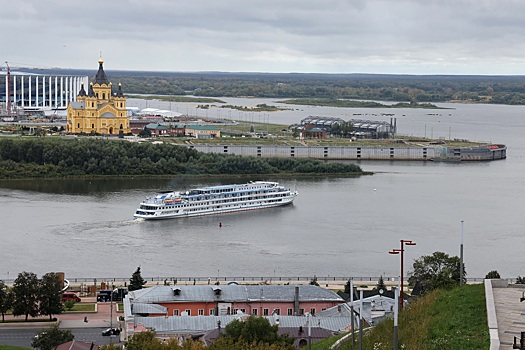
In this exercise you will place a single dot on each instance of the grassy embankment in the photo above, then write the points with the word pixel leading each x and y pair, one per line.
pixel 441 320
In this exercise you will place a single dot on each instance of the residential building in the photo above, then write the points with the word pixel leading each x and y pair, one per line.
pixel 260 300
pixel 198 131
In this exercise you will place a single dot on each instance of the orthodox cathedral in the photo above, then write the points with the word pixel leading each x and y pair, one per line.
pixel 100 110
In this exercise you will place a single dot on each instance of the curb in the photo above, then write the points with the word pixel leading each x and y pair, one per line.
pixel 492 321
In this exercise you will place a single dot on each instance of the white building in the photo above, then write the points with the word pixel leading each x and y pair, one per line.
pixel 38 92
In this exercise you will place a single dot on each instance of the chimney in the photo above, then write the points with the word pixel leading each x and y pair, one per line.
pixel 296 302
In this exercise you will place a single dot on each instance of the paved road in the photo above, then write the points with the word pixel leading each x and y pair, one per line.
pixel 24 336
pixel 91 331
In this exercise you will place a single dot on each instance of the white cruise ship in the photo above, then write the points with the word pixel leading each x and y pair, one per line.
pixel 215 200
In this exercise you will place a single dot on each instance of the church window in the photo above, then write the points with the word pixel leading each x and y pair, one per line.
pixel 121 126
pixel 120 104
pixel 92 126
pixel 104 96
pixel 78 125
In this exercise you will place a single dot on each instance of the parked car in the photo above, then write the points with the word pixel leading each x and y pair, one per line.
pixel 117 294
pixel 104 295
pixel 110 331
pixel 70 296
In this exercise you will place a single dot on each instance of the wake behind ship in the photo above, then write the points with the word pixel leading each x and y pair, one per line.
pixel 215 200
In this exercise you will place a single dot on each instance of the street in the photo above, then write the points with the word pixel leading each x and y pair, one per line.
pixel 24 336
pixel 91 331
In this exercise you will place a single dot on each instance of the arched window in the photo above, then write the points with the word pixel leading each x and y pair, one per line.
pixel 121 127
pixel 104 96
pixel 78 125
pixel 92 126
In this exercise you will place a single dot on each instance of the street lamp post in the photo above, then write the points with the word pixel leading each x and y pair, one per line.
pixel 111 335
pixel 398 251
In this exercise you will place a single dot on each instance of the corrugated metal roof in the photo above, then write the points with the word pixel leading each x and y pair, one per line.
pixel 230 293
pixel 193 324
pixel 141 308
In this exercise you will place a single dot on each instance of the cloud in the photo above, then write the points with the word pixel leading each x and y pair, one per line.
pixel 347 36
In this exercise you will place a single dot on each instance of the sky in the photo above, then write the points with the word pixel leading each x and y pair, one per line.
pixel 482 37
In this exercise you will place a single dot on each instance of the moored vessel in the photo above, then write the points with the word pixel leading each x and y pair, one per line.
pixel 215 200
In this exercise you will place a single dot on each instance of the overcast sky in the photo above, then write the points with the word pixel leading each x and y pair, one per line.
pixel 325 36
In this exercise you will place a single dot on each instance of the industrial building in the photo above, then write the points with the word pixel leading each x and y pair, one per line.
pixel 361 128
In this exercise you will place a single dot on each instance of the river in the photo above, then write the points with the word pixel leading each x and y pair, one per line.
pixel 336 226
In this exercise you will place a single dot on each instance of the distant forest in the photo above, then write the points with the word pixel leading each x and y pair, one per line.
pixel 58 157
pixel 380 87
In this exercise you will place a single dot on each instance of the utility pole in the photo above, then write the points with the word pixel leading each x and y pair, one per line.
pixel 111 335
pixel 352 311
pixel 461 257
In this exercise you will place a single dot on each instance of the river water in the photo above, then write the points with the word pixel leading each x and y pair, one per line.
pixel 336 226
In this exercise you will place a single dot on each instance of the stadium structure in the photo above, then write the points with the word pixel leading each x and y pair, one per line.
pixel 22 92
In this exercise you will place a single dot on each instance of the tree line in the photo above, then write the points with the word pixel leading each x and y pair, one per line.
pixel 31 296
pixel 52 157
pixel 378 87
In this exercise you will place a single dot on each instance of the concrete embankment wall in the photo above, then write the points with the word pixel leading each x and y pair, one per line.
pixel 321 152
pixel 360 153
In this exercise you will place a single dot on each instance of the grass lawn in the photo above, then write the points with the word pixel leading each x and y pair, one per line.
pixel 83 307
pixel 441 320
pixel 10 347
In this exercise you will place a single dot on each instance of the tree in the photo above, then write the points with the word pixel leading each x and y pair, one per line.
pixel 145 133
pixel 313 281
pixel 438 270
pixel 520 280
pixel 50 295
pixel 136 281
pixel 6 299
pixel 144 340
pixel 256 330
pixel 381 284
pixel 25 290
pixel 492 275
pixel 51 337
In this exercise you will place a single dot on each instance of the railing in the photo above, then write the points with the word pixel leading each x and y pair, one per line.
pixel 269 279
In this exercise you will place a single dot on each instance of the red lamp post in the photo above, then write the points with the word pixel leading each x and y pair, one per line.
pixel 397 251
